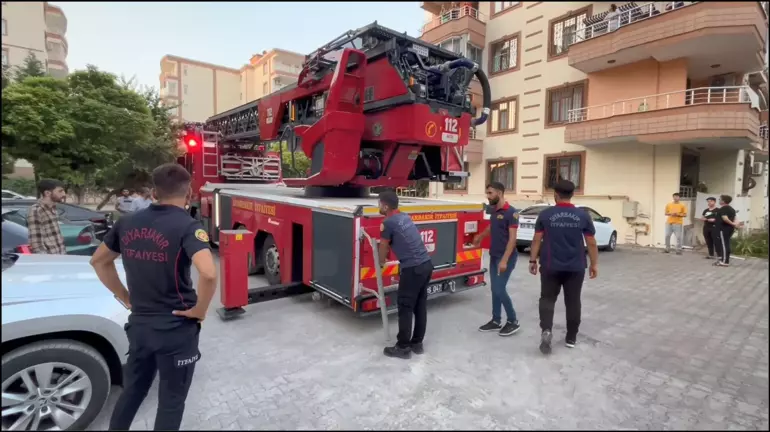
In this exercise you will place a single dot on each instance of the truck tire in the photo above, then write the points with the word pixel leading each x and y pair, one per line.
pixel 271 261
pixel 61 363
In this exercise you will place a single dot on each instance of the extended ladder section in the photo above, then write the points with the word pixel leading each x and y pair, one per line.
pixel 210 154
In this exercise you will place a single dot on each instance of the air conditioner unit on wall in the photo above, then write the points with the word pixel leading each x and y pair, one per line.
pixel 757 169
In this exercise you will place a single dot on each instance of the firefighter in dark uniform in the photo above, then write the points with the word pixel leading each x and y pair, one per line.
pixel 560 232
pixel 158 245
pixel 401 234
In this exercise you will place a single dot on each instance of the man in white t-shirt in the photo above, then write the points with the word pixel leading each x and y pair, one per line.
pixel 124 202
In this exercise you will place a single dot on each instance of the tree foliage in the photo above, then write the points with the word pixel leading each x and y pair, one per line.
pixel 87 130
pixel 32 67
pixel 293 165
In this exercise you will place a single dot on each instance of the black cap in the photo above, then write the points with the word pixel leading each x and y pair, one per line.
pixel 711 199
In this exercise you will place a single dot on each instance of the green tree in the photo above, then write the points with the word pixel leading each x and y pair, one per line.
pixel 292 166
pixel 6 75
pixel 86 130
pixel 32 67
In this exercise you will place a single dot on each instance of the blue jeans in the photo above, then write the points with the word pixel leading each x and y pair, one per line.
pixel 500 297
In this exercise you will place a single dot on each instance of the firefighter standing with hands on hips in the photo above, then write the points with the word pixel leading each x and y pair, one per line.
pixel 158 245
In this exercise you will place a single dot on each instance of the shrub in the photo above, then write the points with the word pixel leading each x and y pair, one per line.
pixel 751 244
pixel 21 186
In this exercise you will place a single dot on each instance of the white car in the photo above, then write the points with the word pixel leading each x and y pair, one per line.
pixel 606 235
pixel 7 194
pixel 63 342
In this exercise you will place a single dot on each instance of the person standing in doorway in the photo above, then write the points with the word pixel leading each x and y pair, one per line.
pixel 124 202
pixel 725 228
pixel 558 244
pixel 158 246
pixel 43 219
pixel 675 212
pixel 503 227
pixel 709 218
pixel 399 233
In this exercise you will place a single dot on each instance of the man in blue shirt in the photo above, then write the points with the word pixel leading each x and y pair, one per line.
pixel 503 225
pixel 560 232
pixel 401 235
pixel 143 201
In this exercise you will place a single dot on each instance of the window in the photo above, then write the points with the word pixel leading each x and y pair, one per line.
pixel 502 171
pixel 184 70
pixel 564 167
pixel 173 112
pixel 453 44
pixel 504 116
pixel 474 53
pixel 49 46
pixel 5 27
pixel 185 89
pixel 264 69
pixel 461 186
pixel 563 32
pixel 5 57
pixel 264 89
pixel 171 86
pixel 534 210
pixel 500 6
pixel 505 55
pixel 564 99
pixel 595 216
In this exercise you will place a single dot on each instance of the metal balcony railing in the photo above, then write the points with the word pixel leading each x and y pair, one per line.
pixel 763 133
pixel 452 15
pixel 623 18
pixel 697 96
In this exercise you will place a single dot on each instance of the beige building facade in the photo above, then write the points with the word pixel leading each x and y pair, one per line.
pixel 665 97
pixel 39 28
pixel 198 90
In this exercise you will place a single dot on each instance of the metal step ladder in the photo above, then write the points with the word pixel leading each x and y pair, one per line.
pixel 210 154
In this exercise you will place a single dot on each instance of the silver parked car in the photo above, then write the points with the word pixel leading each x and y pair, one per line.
pixel 63 342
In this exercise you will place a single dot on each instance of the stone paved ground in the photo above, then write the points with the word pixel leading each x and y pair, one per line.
pixel 667 342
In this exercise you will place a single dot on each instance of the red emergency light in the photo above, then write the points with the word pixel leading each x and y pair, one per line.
pixel 191 142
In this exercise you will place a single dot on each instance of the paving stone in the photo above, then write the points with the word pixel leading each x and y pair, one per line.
pixel 664 344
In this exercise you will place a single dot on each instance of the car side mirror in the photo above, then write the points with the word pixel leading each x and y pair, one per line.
pixel 606 219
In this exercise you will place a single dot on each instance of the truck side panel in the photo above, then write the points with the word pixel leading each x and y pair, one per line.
pixel 333 244
pixel 225 214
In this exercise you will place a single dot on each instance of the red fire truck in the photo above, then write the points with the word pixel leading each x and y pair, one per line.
pixel 373 108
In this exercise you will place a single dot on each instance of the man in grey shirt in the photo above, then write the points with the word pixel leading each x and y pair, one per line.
pixel 124 202
pixel 143 201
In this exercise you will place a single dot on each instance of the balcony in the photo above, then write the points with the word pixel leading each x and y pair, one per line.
pixel 55 20
pixel 456 21
pixel 723 117
pixel 706 33
pixel 285 68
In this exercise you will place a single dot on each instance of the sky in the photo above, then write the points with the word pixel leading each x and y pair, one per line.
pixel 130 38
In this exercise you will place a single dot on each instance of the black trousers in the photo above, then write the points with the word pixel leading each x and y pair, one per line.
pixel 551 283
pixel 710 235
pixel 173 354
pixel 722 243
pixel 413 302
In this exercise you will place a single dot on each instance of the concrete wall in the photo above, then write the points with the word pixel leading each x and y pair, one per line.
pixel 197 92
pixel 25 27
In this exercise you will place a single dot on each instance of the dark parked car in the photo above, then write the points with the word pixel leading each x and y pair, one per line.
pixel 15 238
pixel 102 220
pixel 79 237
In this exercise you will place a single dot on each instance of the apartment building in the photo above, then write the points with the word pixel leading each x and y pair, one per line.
pixel 631 106
pixel 198 90
pixel 38 28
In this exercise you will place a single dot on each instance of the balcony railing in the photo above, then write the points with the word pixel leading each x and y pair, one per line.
pixel 283 67
pixel 697 96
pixel 763 132
pixel 624 18
pixel 452 15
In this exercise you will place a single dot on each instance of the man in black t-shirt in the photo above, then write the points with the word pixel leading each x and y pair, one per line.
pixel 709 219
pixel 158 245
pixel 725 228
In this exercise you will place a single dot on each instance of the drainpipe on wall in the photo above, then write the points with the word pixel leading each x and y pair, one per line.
pixel 654 213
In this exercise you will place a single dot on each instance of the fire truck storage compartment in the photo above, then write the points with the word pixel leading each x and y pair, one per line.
pixel 441 240
pixel 333 252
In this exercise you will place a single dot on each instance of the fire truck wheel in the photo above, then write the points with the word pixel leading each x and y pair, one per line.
pixel 272 261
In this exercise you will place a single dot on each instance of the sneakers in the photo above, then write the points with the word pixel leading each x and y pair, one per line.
pixel 545 342
pixel 570 341
pixel 417 348
pixel 398 352
pixel 510 328
pixel 490 326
